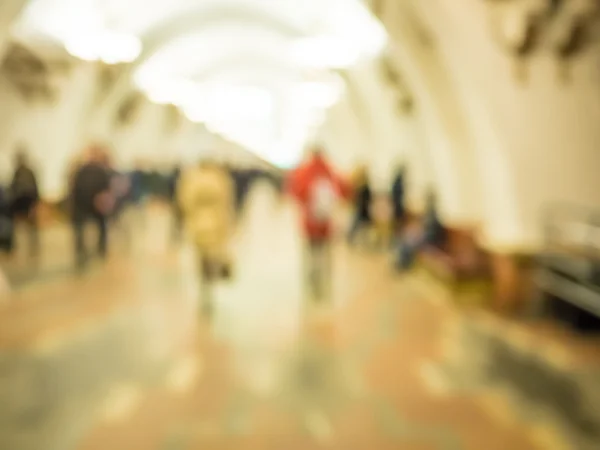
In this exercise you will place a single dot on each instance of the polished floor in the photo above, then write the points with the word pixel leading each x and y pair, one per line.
pixel 121 358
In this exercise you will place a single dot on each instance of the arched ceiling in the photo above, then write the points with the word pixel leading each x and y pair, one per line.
pixel 249 43
pixel 185 51
pixel 217 15
pixel 252 66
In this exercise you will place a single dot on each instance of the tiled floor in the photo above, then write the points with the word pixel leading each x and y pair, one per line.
pixel 122 360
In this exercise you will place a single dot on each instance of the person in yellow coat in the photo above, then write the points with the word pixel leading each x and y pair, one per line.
pixel 205 194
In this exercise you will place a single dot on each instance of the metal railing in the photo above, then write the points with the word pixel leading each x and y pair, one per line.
pixel 569 266
pixel 573 226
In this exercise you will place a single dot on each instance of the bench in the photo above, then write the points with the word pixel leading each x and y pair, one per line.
pixel 459 259
pixel 460 265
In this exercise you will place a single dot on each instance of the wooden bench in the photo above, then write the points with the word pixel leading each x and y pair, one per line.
pixel 461 265
pixel 459 259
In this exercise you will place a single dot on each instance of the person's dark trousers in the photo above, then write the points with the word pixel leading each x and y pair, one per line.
pixel 23 211
pixel 80 219
pixel 240 203
pixel 319 267
pixel 7 237
pixel 399 223
pixel 359 223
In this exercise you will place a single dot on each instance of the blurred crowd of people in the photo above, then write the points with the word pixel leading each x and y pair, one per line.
pixel 207 198
pixel 98 193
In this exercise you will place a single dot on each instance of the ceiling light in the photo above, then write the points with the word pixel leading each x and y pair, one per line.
pixel 120 47
pixel 160 98
pixel 319 95
pixel 105 45
pixel 324 52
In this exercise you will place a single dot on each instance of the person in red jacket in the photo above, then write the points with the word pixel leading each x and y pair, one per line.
pixel 317 188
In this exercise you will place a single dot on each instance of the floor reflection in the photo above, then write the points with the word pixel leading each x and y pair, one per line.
pixel 127 362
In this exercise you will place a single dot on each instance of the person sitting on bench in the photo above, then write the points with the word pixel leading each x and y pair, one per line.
pixel 429 233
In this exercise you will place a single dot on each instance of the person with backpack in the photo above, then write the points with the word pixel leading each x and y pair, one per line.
pixel 317 189
pixel 24 199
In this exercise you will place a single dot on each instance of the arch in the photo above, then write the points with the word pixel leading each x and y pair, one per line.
pixel 9 11
pixel 439 112
pixel 355 101
pixel 198 18
pixel 479 121
pixel 530 169
pixel 266 47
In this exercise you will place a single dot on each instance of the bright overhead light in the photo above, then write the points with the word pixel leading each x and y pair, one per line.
pixel 324 52
pixel 196 116
pixel 245 114
pixel 352 21
pixel 318 95
pixel 160 98
pixel 212 99
pixel 119 47
pixel 82 50
pixel 161 89
pixel 353 34
pixel 108 46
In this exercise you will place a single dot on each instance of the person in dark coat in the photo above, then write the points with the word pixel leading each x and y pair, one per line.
pixel 398 196
pixel 137 189
pixel 177 214
pixel 363 198
pixel 92 200
pixel 242 178
pixel 24 199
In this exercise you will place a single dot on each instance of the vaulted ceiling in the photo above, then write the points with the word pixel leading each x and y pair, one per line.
pixel 232 64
